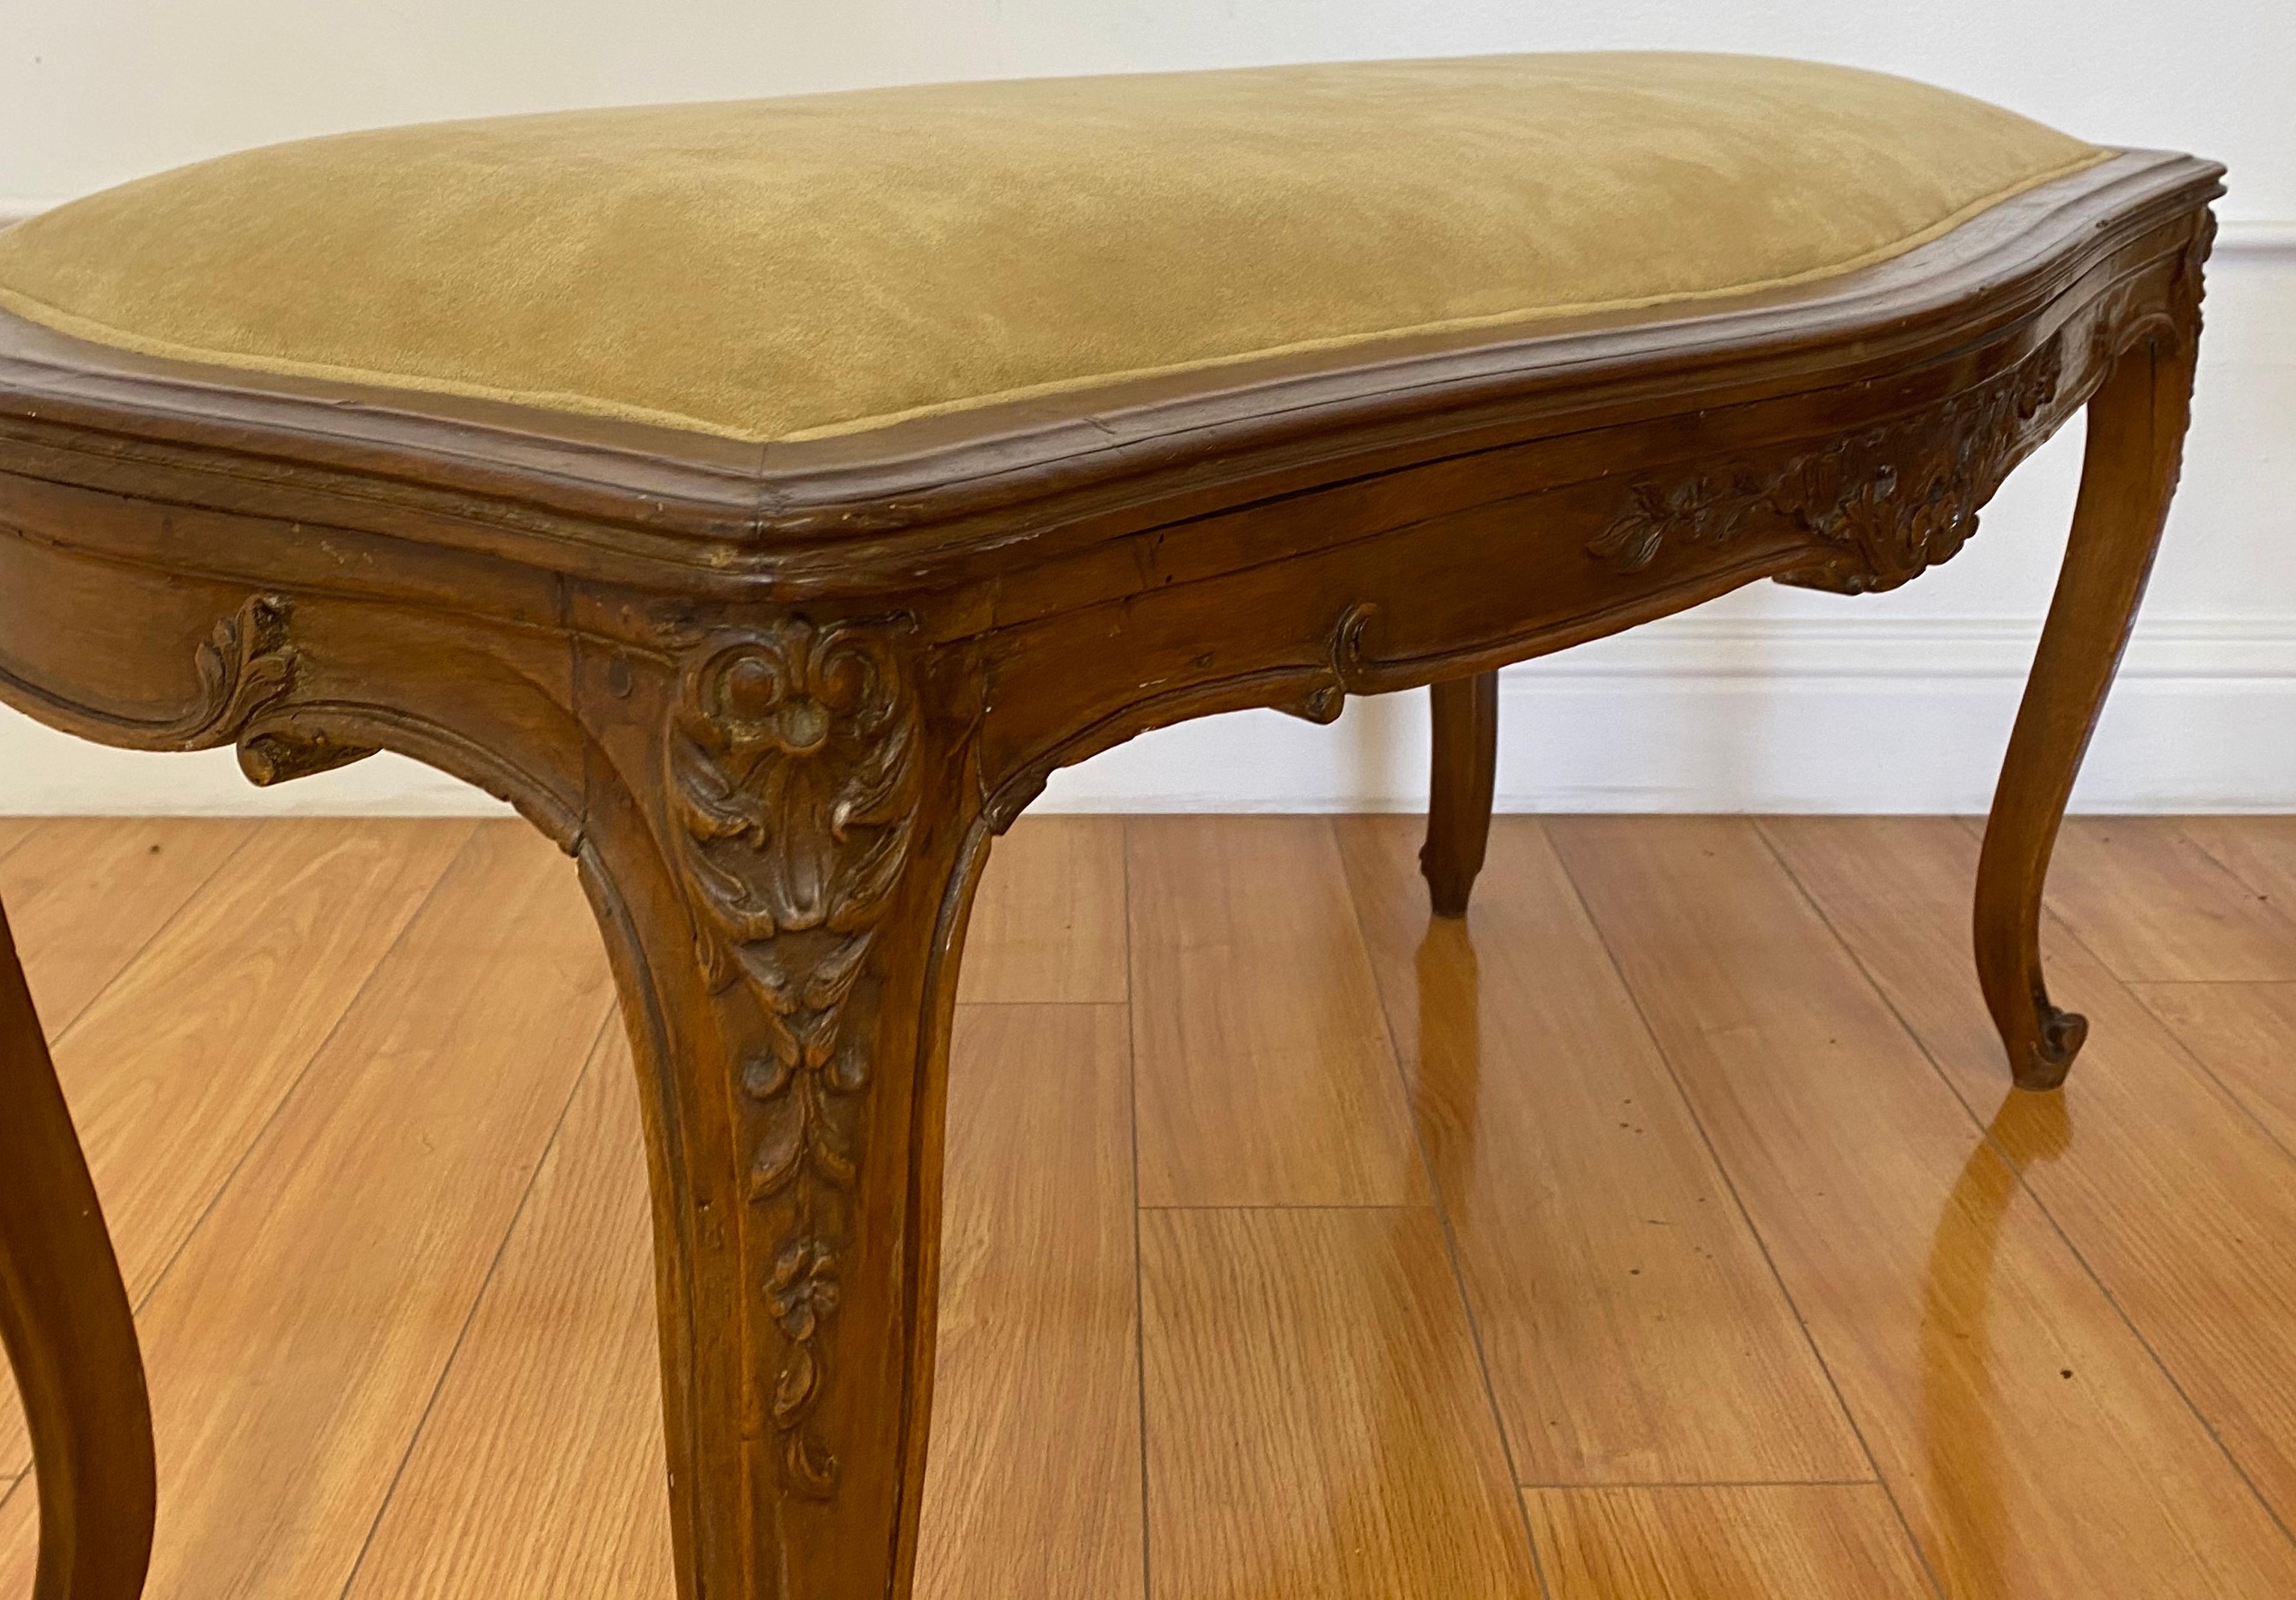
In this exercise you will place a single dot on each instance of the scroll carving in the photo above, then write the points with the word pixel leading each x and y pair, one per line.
pixel 793 777
pixel 280 756
pixel 1883 505
pixel 244 665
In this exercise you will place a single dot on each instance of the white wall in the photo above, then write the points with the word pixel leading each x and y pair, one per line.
pixel 1769 699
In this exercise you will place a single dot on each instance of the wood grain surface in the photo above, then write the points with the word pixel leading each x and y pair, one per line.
pixel 1948 1306
pixel 86 894
pixel 1037 1412
pixel 1801 1541
pixel 1318 1423
pixel 176 1066
pixel 403 1323
pixel 1595 1231
pixel 2101 1156
pixel 1262 1082
pixel 367 1217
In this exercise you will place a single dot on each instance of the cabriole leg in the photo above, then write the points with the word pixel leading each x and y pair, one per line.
pixel 781 845
pixel 1459 788
pixel 69 1331
pixel 2135 442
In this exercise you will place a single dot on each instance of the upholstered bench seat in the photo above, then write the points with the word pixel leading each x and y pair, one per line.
pixel 769 498
pixel 778 268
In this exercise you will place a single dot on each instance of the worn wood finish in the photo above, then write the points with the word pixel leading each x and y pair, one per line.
pixel 775 703
pixel 1459 785
pixel 69 1332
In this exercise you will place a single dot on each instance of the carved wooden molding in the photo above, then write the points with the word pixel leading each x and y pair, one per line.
pixel 2191 286
pixel 244 665
pixel 282 755
pixel 794 776
pixel 1883 504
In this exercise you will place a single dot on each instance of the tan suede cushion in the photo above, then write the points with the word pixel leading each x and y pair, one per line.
pixel 770 269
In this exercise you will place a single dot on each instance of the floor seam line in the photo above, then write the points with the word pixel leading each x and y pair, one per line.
pixel 1738 1202
pixel 478 1298
pixel 1443 1220
pixel 1139 1265
pixel 1625 1483
pixel 1303 1205
pixel 153 938
pixel 1990 1141
pixel 302 1073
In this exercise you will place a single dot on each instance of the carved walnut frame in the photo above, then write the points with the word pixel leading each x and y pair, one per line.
pixel 775 703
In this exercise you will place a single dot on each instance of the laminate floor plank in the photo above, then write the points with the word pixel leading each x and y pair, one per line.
pixel 1033 1488
pixel 2144 897
pixel 2244 1031
pixel 86 894
pixel 2164 1183
pixel 538 1471
pixel 2246 1034
pixel 387 1289
pixel 1743 1542
pixel 15 830
pixel 2034 1444
pixel 173 1070
pixel 1317 1424
pixel 1633 1330
pixel 1048 920
pixel 1264 1075
pixel 2259 851
pixel 296 1339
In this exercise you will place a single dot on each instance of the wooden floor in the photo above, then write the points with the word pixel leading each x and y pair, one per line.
pixel 1668 1229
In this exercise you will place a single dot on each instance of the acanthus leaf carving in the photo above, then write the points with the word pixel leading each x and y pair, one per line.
pixel 1882 504
pixel 793 773
pixel 243 666
pixel 1706 508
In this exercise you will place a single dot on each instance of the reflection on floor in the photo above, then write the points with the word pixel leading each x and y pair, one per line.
pixel 1667 1229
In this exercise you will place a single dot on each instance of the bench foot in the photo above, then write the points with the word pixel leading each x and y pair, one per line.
pixel 1459 789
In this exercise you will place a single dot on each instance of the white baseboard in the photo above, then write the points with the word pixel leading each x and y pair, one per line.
pixel 1767 714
